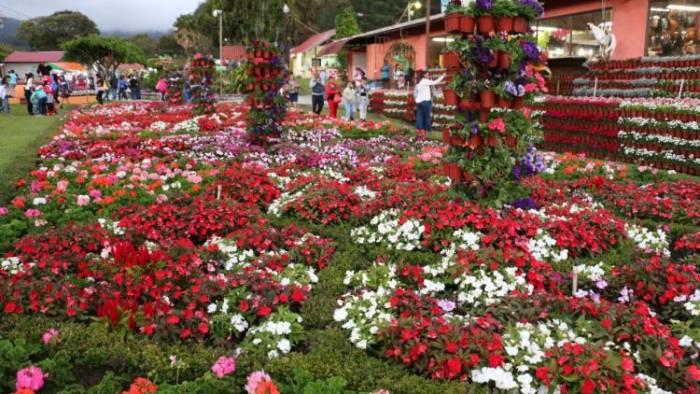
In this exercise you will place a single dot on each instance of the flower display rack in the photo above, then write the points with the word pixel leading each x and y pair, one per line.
pixel 641 77
pixel 663 133
pixel 266 73
pixel 400 104
pixel 495 66
pixel 202 76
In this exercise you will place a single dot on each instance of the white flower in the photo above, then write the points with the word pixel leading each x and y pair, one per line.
pixel 340 314
pixel 211 308
pixel 284 345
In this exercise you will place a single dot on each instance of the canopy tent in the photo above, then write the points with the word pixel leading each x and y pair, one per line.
pixel 68 67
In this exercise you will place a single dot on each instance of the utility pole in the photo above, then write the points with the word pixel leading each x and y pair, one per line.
pixel 427 33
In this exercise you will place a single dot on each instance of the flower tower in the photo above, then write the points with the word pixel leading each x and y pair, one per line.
pixel 266 73
pixel 495 66
pixel 175 85
pixel 201 79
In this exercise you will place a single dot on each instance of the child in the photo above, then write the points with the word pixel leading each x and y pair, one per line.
pixel 38 99
pixel 50 100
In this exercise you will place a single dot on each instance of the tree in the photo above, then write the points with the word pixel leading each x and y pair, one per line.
pixel 49 32
pixel 5 50
pixel 254 19
pixel 148 45
pixel 106 53
pixel 167 45
pixel 346 23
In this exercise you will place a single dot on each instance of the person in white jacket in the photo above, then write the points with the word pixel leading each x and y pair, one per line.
pixel 424 101
pixel 349 100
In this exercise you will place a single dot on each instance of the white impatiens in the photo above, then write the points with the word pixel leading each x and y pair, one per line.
pixel 648 241
pixel 487 287
pixel 503 379
pixel 364 193
pixel 275 336
pixel 543 247
pixel 388 228
pixel 235 258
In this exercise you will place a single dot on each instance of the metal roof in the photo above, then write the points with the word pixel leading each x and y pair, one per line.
pixel 34 57
pixel 313 42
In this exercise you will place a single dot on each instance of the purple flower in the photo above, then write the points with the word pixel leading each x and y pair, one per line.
pixel 525 204
pixel 510 88
pixel 475 129
pixel 484 4
pixel 531 50
pixel 601 284
pixel 482 54
pixel 535 5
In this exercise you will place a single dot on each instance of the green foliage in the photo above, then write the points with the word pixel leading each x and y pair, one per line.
pixel 167 45
pixel 49 32
pixel 303 383
pixel 346 23
pixel 14 354
pixel 148 45
pixel 5 50
pixel 107 53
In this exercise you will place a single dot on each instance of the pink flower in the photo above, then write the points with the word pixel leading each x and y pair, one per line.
pixel 30 378
pixel 161 198
pixel 498 124
pixel 255 379
pixel 530 87
pixel 3 211
pixel 62 186
pixel 95 194
pixel 50 334
pixel 32 213
pixel 83 200
pixel 224 366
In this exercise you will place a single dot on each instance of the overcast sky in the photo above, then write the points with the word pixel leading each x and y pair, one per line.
pixel 131 15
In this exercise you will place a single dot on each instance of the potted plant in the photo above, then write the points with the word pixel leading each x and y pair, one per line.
pixel 467 22
pixel 527 11
pixel 504 11
pixel 486 95
pixel 451 60
pixel 495 45
pixel 481 9
pixel 453 17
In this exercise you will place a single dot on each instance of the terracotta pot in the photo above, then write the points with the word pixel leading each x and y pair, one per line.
pixel 450 97
pixel 519 24
pixel 494 61
pixel 518 103
pixel 453 22
pixel 446 136
pixel 475 141
pixel 504 102
pixel 467 24
pixel 487 98
pixel 485 24
pixel 503 60
pixel 491 141
pixel 457 140
pixel 484 115
pixel 451 60
pixel 511 142
pixel 504 23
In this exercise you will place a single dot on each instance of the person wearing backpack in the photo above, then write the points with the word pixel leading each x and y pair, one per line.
pixel 317 94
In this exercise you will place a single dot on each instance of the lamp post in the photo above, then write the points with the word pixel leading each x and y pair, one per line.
pixel 220 14
pixel 412 7
pixel 427 33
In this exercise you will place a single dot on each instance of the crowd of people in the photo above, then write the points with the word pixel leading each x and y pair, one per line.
pixel 43 91
pixel 326 87
pixel 113 87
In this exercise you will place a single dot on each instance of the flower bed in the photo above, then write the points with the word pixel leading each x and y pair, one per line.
pixel 152 249
pixel 662 132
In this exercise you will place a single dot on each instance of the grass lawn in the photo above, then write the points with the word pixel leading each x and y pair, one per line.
pixel 21 136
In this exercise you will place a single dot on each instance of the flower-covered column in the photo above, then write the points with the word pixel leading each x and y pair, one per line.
pixel 496 67
pixel 201 79
pixel 266 74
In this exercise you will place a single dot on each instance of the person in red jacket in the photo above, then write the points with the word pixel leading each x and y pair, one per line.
pixel 333 96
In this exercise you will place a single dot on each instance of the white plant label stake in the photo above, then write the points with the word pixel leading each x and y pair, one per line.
pixel 680 91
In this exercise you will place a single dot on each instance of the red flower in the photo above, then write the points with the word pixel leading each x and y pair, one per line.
pixel 454 365
pixel 264 311
pixel 694 372
pixel 543 375
pixel 203 328
pixel 297 295
pixel 588 387
pixel 606 323
pixel 172 319
pixel 627 364
pixel 451 347
pixel 495 361
pixel 243 306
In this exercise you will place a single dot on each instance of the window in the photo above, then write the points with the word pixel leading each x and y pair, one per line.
pixel 570 36
pixel 316 62
pixel 672 29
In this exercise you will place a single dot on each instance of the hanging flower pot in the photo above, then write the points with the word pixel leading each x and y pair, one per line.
pixel 446 136
pixel 453 22
pixel 503 102
pixel 518 103
pixel 504 23
pixel 494 60
pixel 519 24
pixel 484 115
pixel 504 60
pixel 487 98
pixel 450 97
pixel 511 141
pixel 491 141
pixel 475 141
pixel 450 60
pixel 457 140
pixel 467 24
pixel 485 23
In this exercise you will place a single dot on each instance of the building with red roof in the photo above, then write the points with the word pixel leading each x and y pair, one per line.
pixel 304 57
pixel 233 53
pixel 25 62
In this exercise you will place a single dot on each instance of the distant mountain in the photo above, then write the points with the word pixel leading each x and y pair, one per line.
pixel 126 34
pixel 8 33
